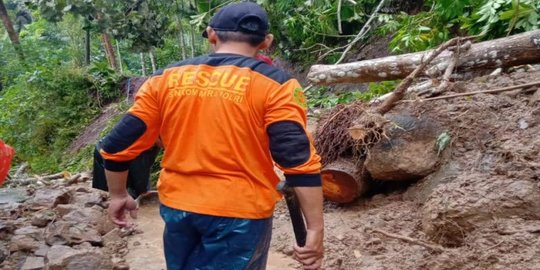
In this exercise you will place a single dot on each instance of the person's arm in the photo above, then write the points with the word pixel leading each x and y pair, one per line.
pixel 136 132
pixel 293 151
pixel 311 202
pixel 119 199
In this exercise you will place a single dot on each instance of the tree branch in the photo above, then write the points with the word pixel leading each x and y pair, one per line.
pixel 429 246
pixel 362 32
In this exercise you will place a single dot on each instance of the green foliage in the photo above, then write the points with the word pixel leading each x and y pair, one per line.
pixel 320 97
pixel 106 82
pixel 447 18
pixel 138 22
pixel 305 30
pixel 43 111
pixel 501 17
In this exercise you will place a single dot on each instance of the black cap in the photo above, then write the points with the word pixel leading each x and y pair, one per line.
pixel 245 17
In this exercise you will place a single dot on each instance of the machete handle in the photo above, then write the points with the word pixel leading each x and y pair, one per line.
pixel 295 212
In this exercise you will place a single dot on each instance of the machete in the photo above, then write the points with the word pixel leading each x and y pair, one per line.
pixel 295 212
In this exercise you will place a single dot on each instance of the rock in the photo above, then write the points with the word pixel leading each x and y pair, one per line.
pixel 522 123
pixel 6 228
pixel 89 198
pixel 455 209
pixel 4 253
pixel 33 263
pixel 43 218
pixel 50 198
pixel 112 238
pixel 66 233
pixel 66 258
pixel 64 209
pixel 42 250
pixel 105 225
pixel 409 154
pixel 26 239
pixel 23 243
pixel 84 216
pixel 31 231
pixel 121 266
pixel 11 196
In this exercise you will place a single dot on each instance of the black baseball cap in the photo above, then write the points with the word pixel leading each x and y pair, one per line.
pixel 245 17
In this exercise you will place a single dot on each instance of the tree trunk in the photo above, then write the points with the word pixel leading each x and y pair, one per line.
pixel 119 57
pixel 87 49
pixel 192 43
pixel 13 36
pixel 143 65
pixel 181 38
pixel 343 181
pixel 153 60
pixel 504 52
pixel 109 49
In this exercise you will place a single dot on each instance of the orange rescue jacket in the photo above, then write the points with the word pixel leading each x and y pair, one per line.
pixel 223 120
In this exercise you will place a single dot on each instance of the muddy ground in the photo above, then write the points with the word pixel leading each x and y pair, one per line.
pixel 481 207
pixel 479 210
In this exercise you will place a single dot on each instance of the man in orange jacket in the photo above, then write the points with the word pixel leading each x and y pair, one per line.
pixel 223 119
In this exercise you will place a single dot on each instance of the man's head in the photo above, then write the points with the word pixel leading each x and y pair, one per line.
pixel 241 24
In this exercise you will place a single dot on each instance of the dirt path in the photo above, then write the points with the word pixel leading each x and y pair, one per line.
pixel 146 251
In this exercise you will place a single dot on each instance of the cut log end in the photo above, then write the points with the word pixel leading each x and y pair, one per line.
pixel 343 181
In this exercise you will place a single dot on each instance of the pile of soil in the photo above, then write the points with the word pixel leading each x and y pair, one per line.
pixel 480 209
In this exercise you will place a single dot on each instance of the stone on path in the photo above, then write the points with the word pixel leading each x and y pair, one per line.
pixel 34 263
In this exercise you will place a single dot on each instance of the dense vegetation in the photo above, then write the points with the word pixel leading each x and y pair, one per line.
pixel 64 60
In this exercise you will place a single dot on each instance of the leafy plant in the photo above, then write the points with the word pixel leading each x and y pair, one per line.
pixel 106 82
pixel 43 111
pixel 320 97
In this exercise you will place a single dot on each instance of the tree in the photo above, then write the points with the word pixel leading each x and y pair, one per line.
pixel 135 21
pixel 13 36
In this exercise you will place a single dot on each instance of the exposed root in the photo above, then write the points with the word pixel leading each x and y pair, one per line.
pixel 332 137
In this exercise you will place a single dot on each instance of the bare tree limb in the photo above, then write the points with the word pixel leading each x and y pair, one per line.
pixel 410 240
pixel 401 89
pixel 509 88
pixel 340 27
pixel 362 32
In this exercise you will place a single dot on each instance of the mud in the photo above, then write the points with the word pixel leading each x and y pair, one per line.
pixel 481 205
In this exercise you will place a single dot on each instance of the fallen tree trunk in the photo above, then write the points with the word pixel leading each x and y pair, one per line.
pixel 504 52
pixel 343 180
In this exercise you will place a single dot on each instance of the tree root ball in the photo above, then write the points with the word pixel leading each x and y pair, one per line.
pixel 407 149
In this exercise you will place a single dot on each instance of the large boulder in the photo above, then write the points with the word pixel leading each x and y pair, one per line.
pixel 455 209
pixel 408 152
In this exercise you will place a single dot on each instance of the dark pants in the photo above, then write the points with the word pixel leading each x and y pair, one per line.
pixel 202 242
pixel 139 172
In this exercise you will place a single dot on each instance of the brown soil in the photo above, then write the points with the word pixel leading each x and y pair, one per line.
pixel 91 133
pixel 128 88
pixel 482 205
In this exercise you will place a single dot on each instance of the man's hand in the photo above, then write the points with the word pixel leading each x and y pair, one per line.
pixel 311 255
pixel 120 201
pixel 119 206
